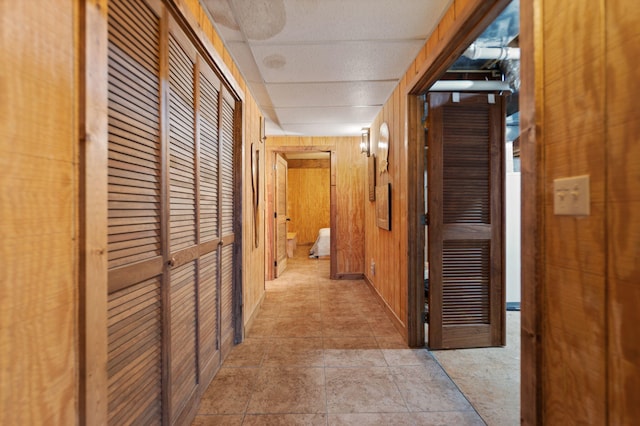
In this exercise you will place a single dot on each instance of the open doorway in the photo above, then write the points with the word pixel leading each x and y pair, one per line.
pixel 299 201
pixel 489 73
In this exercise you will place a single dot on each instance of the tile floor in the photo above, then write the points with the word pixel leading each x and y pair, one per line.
pixel 323 352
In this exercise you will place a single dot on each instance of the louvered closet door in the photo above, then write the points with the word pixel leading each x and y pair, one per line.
pixel 227 220
pixel 183 223
pixel 209 271
pixel 466 260
pixel 135 331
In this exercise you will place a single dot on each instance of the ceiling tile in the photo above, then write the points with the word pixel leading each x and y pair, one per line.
pixel 363 93
pixel 324 20
pixel 348 61
pixel 326 115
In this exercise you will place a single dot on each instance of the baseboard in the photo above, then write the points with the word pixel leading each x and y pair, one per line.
pixel 350 276
pixel 397 323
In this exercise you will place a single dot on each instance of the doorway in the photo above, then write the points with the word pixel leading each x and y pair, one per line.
pixel 307 197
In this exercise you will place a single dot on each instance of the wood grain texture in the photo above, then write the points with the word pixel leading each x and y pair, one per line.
pixel 575 250
pixel 531 125
pixel 92 404
pixel 351 187
pixel 623 204
pixel 39 210
pixel 308 200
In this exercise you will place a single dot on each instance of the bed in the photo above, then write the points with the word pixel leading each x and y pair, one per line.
pixel 322 246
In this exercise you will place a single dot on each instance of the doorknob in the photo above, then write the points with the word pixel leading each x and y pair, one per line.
pixel 288 219
pixel 172 262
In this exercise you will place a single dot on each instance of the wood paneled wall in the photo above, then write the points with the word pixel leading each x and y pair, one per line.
pixel 308 202
pixel 582 104
pixel 38 213
pixel 348 185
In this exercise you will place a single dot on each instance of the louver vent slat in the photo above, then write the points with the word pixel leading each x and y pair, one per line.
pixel 181 148
pixel 226 168
pixel 465 282
pixel 466 162
pixel 209 145
pixel 134 134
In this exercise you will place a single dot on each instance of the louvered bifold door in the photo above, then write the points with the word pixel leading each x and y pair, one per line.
pixel 208 291
pixel 183 223
pixel 135 331
pixel 466 225
pixel 227 220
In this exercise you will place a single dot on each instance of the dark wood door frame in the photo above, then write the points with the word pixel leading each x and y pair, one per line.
pixel 269 231
pixel 484 12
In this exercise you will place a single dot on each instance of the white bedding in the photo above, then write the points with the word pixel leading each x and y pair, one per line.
pixel 322 246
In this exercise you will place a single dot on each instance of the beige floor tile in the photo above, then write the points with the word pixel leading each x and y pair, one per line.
pixel 448 418
pixel 249 354
pixel 391 342
pixel 295 352
pixel 362 390
pixel 229 391
pixel 261 327
pixel 289 390
pixel 350 343
pixel 285 420
pixel 371 419
pixel 400 357
pixel 296 327
pixel 342 326
pixel 354 358
pixel 427 388
pixel 383 328
pixel 218 420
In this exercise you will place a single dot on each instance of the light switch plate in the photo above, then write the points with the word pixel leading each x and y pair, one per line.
pixel 571 196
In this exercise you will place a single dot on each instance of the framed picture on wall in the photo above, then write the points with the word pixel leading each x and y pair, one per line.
pixel 383 206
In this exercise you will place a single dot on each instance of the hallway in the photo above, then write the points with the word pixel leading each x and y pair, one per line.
pixel 323 352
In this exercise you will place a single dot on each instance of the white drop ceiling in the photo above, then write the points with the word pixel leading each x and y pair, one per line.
pixel 323 67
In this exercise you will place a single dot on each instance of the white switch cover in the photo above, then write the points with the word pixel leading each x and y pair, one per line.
pixel 571 196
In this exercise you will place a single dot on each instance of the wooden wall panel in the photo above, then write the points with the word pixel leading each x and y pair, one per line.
pixel 351 186
pixel 575 251
pixel 38 213
pixel 308 203
pixel 622 31
pixel 580 96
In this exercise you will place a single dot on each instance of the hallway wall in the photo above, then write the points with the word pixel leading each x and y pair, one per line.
pixel 308 201
pixel 582 114
pixel 38 213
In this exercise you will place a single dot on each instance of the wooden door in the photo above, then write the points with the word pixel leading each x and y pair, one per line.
pixel 466 220
pixel 172 217
pixel 280 215
pixel 137 269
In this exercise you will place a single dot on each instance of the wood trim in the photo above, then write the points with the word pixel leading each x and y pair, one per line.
pixel 165 231
pixel 128 275
pixel 532 241
pixel 415 229
pixel 333 242
pixel 239 173
pixel 202 42
pixel 93 133
pixel 451 43
pixel 348 276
